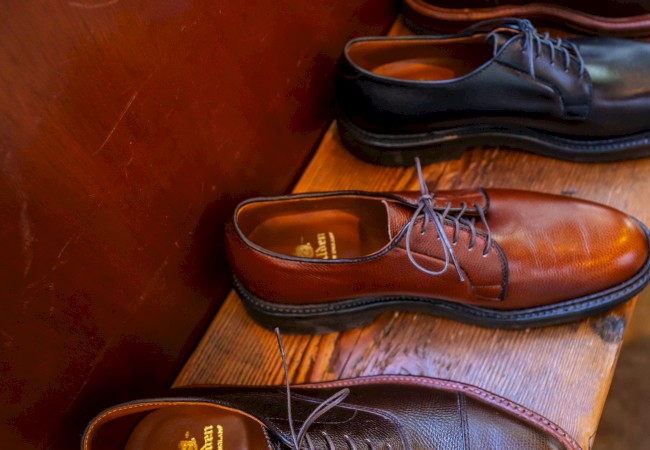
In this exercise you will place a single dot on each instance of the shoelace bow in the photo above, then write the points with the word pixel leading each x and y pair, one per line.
pixel 321 409
pixel 533 42
pixel 431 215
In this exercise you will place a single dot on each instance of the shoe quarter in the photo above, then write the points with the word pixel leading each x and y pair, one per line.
pixel 347 422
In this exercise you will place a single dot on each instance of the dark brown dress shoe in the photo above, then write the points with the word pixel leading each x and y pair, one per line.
pixel 606 17
pixel 323 262
pixel 370 413
pixel 499 83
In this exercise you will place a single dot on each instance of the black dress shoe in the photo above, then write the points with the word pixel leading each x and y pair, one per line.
pixel 370 413
pixel 499 83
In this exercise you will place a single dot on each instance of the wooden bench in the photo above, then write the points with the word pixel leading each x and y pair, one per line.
pixel 563 372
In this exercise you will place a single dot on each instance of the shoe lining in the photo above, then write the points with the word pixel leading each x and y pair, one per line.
pixel 197 427
pixel 329 228
pixel 422 60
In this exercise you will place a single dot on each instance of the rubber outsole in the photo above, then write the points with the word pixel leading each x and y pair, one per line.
pixel 440 145
pixel 346 314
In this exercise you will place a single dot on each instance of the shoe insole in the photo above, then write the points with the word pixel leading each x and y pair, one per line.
pixel 421 59
pixel 420 69
pixel 197 427
pixel 324 234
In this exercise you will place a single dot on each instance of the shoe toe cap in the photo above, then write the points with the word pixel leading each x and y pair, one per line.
pixel 568 249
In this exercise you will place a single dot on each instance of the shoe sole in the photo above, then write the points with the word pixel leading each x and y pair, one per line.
pixel 346 314
pixel 423 17
pixel 440 145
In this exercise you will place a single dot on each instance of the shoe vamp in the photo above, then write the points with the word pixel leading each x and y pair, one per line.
pixel 432 418
pixel 619 71
pixel 425 418
pixel 560 248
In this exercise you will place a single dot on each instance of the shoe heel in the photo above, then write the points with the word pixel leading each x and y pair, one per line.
pixel 309 325
pixel 292 322
pixel 395 150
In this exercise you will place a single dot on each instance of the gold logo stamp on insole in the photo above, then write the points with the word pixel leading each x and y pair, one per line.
pixel 325 247
pixel 208 440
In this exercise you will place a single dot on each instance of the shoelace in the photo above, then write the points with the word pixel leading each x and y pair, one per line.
pixel 321 409
pixel 533 42
pixel 426 209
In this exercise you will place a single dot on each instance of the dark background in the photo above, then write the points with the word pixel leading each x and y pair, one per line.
pixel 129 130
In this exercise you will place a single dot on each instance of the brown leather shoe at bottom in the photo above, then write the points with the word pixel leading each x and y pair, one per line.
pixel 323 262
pixel 372 413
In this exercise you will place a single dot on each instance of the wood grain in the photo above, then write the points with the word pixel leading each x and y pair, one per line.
pixel 562 372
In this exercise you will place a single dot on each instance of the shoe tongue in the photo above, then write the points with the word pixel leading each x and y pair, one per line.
pixel 398 216
pixel 500 38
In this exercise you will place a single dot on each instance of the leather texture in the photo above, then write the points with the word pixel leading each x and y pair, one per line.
pixel 605 8
pixel 384 412
pixel 543 250
pixel 498 83
pixel 610 99
pixel 620 17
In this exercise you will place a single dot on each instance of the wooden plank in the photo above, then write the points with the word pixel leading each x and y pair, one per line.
pixel 563 372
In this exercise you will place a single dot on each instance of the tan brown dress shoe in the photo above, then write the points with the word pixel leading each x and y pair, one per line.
pixel 324 262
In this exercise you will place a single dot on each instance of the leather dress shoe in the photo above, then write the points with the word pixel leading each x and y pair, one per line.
pixel 499 83
pixel 379 413
pixel 322 262
pixel 370 413
pixel 606 17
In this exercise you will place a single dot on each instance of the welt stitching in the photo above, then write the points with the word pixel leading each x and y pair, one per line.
pixel 462 412
pixel 505 277
pixel 595 145
pixel 486 314
pixel 475 391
